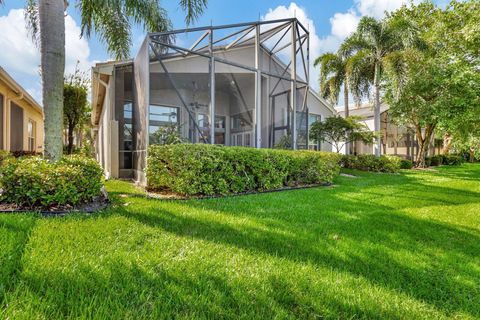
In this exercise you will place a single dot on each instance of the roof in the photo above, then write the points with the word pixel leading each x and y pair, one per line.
pixel 15 86
pixel 365 110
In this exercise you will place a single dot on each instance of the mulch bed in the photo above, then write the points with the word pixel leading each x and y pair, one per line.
pixel 166 195
pixel 99 203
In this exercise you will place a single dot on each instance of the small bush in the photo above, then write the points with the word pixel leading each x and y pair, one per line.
pixel 36 182
pixel 436 160
pixel 369 162
pixel 19 154
pixel 406 164
pixel 199 169
pixel 453 159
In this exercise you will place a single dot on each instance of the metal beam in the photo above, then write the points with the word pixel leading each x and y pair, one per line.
pixel 212 89
pixel 226 26
pixel 234 42
pixel 172 83
pixel 293 84
pixel 258 90
pixel 238 65
pixel 200 39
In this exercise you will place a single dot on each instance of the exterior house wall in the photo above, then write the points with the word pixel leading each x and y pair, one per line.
pixel 14 136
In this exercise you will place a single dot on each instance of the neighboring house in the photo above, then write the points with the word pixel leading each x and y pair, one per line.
pixel 396 140
pixel 236 75
pixel 21 117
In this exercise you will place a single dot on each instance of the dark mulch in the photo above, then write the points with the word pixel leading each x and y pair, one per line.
pixel 99 203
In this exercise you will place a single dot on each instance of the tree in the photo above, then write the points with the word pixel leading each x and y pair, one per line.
pixel 437 87
pixel 75 105
pixel 111 20
pixel 369 46
pixel 333 75
pixel 339 131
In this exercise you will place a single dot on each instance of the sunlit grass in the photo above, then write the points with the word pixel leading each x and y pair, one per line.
pixel 376 246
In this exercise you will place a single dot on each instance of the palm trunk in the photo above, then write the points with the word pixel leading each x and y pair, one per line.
pixel 376 110
pixel 347 112
pixel 52 47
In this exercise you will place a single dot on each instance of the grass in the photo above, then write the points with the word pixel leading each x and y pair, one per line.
pixel 376 246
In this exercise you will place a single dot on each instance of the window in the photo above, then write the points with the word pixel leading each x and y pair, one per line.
pixel 242 127
pixel 220 130
pixel 312 118
pixel 161 116
pixel 302 131
pixel 32 131
pixel 127 136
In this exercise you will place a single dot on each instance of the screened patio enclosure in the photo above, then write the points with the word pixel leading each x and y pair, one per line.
pixel 235 85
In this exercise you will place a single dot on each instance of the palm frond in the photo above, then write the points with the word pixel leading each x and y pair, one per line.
pixel 112 19
pixel 32 20
pixel 360 71
pixel 332 75
pixel 193 9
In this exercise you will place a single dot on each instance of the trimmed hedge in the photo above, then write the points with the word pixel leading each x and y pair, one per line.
pixel 200 169
pixel 369 162
pixel 406 164
pixel 36 182
pixel 444 159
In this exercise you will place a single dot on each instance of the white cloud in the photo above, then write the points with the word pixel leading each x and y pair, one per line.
pixel 294 11
pixel 344 24
pixel 19 55
pixel 377 8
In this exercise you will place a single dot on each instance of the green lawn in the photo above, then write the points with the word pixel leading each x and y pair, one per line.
pixel 377 246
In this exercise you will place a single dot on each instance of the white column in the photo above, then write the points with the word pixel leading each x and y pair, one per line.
pixel 212 89
pixel 258 90
pixel 293 84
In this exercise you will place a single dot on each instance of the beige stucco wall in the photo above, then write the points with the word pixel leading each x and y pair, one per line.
pixel 29 112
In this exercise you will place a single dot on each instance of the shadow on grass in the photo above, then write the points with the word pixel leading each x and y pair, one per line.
pixel 371 237
pixel 14 234
pixel 127 290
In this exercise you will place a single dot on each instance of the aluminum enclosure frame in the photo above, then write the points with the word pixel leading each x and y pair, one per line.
pixel 271 37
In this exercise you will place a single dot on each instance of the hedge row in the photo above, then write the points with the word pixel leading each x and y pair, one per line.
pixel 200 169
pixel 36 182
pixel 444 159
pixel 369 162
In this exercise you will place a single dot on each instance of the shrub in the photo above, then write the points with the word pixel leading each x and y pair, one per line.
pixel 4 155
pixel 453 159
pixel 199 169
pixel 406 164
pixel 20 153
pixel 36 182
pixel 369 162
pixel 436 160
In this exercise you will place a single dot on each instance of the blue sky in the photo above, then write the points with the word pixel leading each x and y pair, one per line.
pixel 329 21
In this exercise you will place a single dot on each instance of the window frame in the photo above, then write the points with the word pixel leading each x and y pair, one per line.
pixel 31 135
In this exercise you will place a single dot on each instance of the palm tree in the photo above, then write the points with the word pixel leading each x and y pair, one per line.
pixel 333 75
pixel 369 46
pixel 111 21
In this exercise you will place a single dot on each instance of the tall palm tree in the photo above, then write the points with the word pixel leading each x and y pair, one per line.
pixel 369 46
pixel 333 75
pixel 111 20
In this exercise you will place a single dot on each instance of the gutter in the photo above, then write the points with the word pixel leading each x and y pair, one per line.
pixel 22 94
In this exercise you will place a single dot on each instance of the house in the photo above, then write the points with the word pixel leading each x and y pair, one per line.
pixel 396 139
pixel 244 84
pixel 21 117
